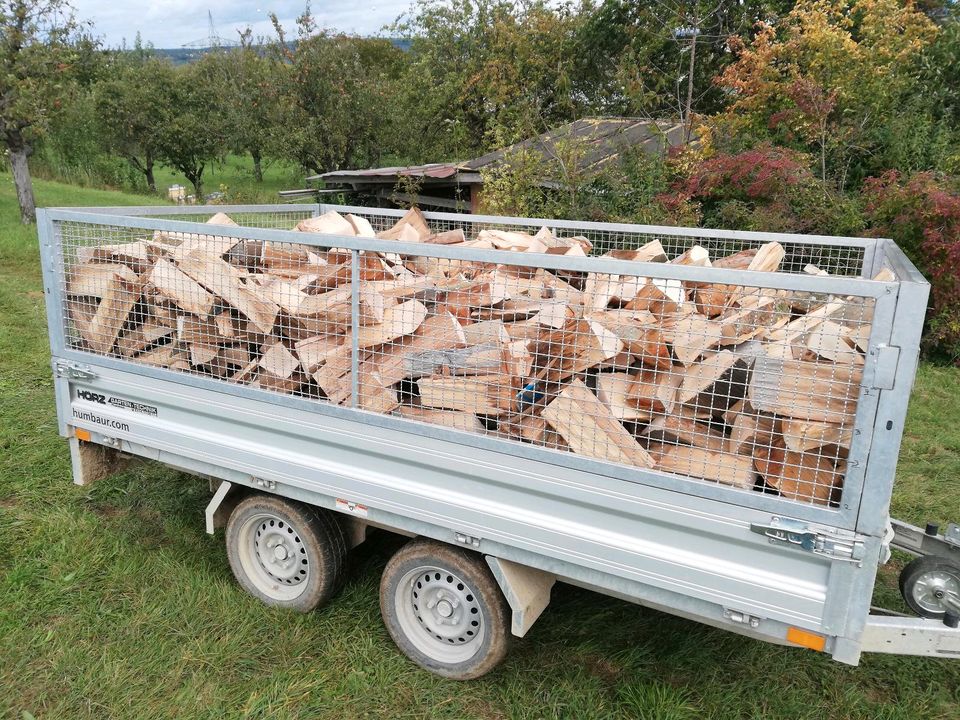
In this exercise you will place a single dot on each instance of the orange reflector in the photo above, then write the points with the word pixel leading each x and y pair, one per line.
pixel 806 639
pixel 82 434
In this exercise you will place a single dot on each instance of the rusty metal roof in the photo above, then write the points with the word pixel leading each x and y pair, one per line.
pixel 600 140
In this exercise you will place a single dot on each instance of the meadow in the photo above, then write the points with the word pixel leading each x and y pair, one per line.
pixel 114 603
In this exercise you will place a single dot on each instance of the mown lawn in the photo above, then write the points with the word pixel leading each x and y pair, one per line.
pixel 115 604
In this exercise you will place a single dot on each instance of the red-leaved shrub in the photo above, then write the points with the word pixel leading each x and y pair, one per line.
pixel 764 188
pixel 922 214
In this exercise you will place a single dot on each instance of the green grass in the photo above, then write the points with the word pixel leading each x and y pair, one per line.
pixel 234 177
pixel 115 604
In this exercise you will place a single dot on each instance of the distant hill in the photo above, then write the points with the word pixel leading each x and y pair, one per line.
pixel 181 56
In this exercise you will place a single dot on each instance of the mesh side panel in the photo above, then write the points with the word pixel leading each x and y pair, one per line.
pixel 834 259
pixel 748 387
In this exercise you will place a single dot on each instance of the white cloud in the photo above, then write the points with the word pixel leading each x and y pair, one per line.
pixel 172 23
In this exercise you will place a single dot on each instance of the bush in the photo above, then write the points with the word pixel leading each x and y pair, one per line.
pixel 922 214
pixel 765 188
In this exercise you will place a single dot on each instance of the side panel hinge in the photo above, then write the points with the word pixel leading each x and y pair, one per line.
pixel 73 371
pixel 826 542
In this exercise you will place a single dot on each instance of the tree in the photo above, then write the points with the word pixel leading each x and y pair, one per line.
pixel 336 96
pixel 252 87
pixel 635 62
pixel 483 73
pixel 133 110
pixel 35 57
pixel 826 79
pixel 194 131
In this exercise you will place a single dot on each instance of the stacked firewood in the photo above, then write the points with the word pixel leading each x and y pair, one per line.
pixel 744 386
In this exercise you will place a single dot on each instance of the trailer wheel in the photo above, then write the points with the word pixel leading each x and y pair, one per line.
pixel 926 581
pixel 444 610
pixel 285 554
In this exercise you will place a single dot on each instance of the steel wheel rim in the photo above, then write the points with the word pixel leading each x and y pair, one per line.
pixel 440 614
pixel 930 589
pixel 273 556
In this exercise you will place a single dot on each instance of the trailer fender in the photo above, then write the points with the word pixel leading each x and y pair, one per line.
pixel 526 589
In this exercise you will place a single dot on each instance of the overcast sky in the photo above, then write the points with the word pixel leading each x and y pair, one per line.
pixel 173 23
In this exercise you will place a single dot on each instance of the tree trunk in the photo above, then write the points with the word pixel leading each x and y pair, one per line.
pixel 196 179
pixel 19 151
pixel 148 171
pixel 257 168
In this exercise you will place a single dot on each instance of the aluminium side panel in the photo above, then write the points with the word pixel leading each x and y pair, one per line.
pixel 690 546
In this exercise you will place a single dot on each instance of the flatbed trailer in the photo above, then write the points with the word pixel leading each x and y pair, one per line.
pixel 497 522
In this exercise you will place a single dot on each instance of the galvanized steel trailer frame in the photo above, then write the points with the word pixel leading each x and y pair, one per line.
pixel 746 562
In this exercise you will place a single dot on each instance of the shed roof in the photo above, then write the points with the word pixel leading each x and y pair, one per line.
pixel 602 139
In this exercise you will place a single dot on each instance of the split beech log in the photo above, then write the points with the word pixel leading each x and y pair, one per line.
pixel 805 390
pixel 479 394
pixel 714 384
pixel 314 351
pixel 682 427
pixel 612 391
pixel 712 300
pixel 750 429
pixel 651 252
pixel 200 336
pixel 694 335
pixel 95 279
pixel 768 258
pixel 716 466
pixel 224 280
pixel 279 361
pixel 448 237
pixel 330 223
pixel 138 256
pixel 660 297
pixel 112 313
pixel 398 320
pixel 176 286
pixel 485 332
pixel 804 435
pixel 269 381
pixel 741 325
pixel 798 475
pixel 647 345
pixel 472 360
pixel 828 341
pixel 653 391
pixel 163 356
pixel 413 219
pixel 590 429
pixel 456 420
pixel 144 337
pixel 373 394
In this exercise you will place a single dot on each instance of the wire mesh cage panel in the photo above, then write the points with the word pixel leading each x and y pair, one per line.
pixel 649 350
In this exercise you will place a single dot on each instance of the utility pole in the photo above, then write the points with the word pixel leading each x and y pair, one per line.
pixel 689 32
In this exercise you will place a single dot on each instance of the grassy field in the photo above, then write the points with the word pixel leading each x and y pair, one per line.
pixel 115 604
pixel 233 177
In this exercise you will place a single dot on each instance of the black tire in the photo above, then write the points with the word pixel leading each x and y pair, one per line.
pixel 477 634
pixel 924 581
pixel 310 571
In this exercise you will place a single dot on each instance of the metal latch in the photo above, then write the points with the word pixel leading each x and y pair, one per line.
pixel 818 541
pixel 884 360
pixel 74 371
